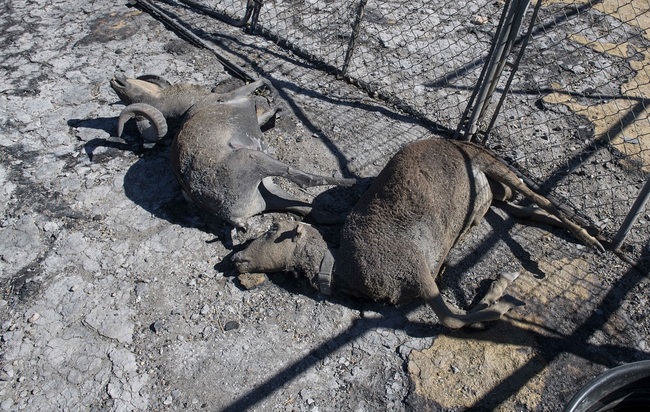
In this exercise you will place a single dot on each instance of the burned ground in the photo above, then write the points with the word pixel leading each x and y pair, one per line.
pixel 118 295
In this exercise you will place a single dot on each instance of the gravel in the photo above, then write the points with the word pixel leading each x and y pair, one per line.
pixel 119 295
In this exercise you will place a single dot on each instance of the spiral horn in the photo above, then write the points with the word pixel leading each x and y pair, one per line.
pixel 152 126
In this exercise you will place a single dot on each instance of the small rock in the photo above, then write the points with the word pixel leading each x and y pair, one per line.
pixel 208 275
pixel 7 404
pixel 7 336
pixel 168 400
pixel 50 227
pixel 141 289
pixel 157 326
pixel 251 280
pixel 369 314
pixel 9 370
pixel 479 20
pixel 73 288
pixel 205 310
pixel 231 325
pixel 35 316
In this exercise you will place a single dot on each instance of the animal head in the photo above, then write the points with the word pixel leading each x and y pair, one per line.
pixel 152 100
pixel 272 252
pixel 144 89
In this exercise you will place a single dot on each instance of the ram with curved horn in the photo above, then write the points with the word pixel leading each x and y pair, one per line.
pixel 217 153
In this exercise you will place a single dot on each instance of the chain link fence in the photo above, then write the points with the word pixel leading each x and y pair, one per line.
pixel 573 120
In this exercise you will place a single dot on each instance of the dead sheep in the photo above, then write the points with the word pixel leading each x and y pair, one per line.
pixel 217 154
pixel 395 240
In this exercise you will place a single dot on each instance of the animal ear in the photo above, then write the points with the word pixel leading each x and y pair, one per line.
pixel 300 231
pixel 155 79
pixel 272 231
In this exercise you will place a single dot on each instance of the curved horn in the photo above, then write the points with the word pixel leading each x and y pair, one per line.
pixel 155 79
pixel 153 115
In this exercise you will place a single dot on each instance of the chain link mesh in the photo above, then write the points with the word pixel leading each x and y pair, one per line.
pixel 574 119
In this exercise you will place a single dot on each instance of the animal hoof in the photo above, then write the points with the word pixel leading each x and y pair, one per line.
pixel 497 289
pixel 506 304
pixel 600 249
pixel 510 276
pixel 511 302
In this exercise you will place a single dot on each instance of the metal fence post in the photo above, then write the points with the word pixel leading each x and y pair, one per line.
pixel 355 32
pixel 632 215
pixel 257 6
pixel 504 38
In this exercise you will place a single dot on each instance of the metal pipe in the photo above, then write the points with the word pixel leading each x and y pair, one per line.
pixel 520 9
pixel 462 129
pixel 632 215
pixel 355 32
pixel 515 66
pixel 497 63
pixel 192 38
pixel 257 6
pixel 492 72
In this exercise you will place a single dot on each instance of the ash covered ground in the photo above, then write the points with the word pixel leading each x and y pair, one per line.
pixel 118 295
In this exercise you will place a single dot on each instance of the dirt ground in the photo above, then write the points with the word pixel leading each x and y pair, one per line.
pixel 118 295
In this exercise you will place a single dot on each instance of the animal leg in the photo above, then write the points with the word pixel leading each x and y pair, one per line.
pixel 500 191
pixel 499 172
pixel 278 199
pixel 502 194
pixel 497 288
pixel 250 88
pixel 268 166
pixel 454 318
pixel 264 117
pixel 534 214
pixel 579 232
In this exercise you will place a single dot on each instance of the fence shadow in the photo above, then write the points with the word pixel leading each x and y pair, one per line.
pixel 549 349
pixel 552 346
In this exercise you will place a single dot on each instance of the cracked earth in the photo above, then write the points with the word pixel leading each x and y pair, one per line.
pixel 118 295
